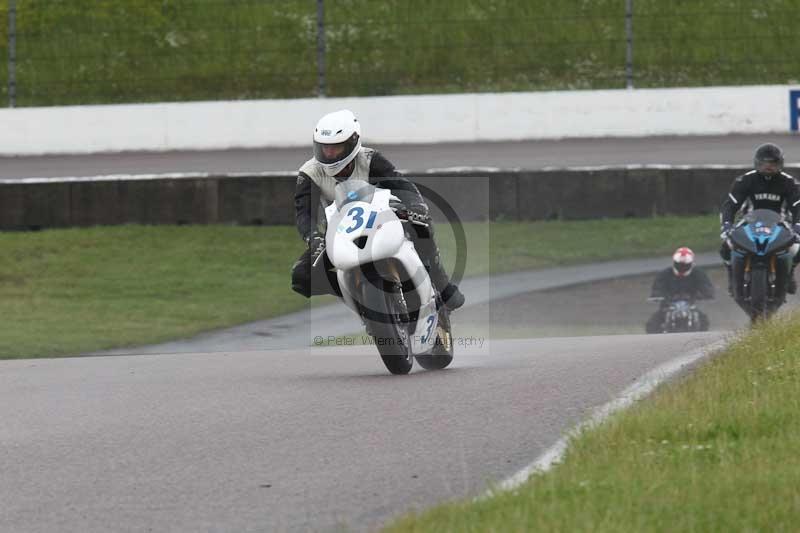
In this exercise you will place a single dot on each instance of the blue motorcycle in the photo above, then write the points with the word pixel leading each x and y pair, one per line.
pixel 761 262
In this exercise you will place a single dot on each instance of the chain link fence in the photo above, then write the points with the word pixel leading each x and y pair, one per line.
pixel 113 51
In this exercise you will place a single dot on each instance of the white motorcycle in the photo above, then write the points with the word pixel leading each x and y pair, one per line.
pixel 383 279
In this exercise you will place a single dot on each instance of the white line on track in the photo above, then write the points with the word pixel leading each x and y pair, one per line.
pixel 640 388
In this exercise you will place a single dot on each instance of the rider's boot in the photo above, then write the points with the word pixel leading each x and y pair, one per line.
pixel 452 297
pixel 429 253
pixel 791 287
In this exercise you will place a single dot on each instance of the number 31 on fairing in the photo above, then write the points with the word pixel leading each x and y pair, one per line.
pixel 356 216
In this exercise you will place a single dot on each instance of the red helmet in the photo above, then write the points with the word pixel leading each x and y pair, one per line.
pixel 682 261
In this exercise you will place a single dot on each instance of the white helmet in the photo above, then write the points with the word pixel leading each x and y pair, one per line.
pixel 682 261
pixel 337 140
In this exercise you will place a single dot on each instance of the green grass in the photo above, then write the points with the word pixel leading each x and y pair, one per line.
pixel 85 51
pixel 716 451
pixel 72 291
pixel 511 246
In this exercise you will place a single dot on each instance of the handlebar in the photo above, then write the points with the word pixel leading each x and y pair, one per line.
pixel 676 299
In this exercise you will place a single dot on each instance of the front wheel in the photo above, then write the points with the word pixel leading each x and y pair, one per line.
pixel 382 315
pixel 442 353
pixel 759 295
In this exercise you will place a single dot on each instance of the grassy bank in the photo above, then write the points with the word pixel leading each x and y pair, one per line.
pixel 84 51
pixel 71 291
pixel 716 451
pixel 78 290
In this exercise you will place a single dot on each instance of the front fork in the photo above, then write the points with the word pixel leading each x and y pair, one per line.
pixel 746 278
pixel 772 275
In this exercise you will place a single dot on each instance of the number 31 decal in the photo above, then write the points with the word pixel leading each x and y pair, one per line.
pixel 358 219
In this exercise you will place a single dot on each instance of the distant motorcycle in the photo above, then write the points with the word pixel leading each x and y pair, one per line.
pixel 383 279
pixel 761 262
pixel 681 315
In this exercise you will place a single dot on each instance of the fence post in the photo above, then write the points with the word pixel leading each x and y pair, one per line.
pixel 629 44
pixel 12 53
pixel 321 88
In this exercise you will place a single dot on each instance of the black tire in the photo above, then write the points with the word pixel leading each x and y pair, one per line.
pixel 655 323
pixel 383 324
pixel 442 354
pixel 703 322
pixel 759 294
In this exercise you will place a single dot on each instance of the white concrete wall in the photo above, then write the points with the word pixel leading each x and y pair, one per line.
pixel 397 119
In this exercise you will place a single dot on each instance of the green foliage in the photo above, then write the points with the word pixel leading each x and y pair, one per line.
pixel 108 51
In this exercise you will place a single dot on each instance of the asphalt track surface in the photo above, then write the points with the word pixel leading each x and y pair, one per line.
pixel 287 440
pixel 727 150
pixel 314 439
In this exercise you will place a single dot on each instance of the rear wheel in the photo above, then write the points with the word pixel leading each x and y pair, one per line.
pixel 442 353
pixel 382 310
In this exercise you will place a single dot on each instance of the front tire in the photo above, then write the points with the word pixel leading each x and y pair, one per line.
pixel 759 295
pixel 382 317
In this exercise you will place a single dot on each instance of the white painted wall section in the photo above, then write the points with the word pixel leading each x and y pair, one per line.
pixel 397 119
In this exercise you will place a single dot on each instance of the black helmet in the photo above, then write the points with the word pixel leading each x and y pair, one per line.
pixel 768 154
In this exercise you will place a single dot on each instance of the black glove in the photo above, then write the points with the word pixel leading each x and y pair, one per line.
pixel 416 214
pixel 419 216
pixel 796 229
pixel 725 230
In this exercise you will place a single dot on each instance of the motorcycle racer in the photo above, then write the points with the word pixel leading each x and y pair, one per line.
pixel 339 156
pixel 764 187
pixel 681 281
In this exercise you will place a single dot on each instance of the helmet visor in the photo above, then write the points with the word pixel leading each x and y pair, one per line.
pixel 769 167
pixel 328 154
pixel 682 268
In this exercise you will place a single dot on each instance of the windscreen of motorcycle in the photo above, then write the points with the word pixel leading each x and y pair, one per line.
pixel 766 217
pixel 353 191
pixel 761 232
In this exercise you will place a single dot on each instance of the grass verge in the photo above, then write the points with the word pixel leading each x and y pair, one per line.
pixel 716 451
pixel 72 291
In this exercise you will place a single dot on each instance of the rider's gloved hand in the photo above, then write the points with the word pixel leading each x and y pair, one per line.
pixel 417 214
pixel 796 229
pixel 725 230
pixel 396 205
pixel 316 243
